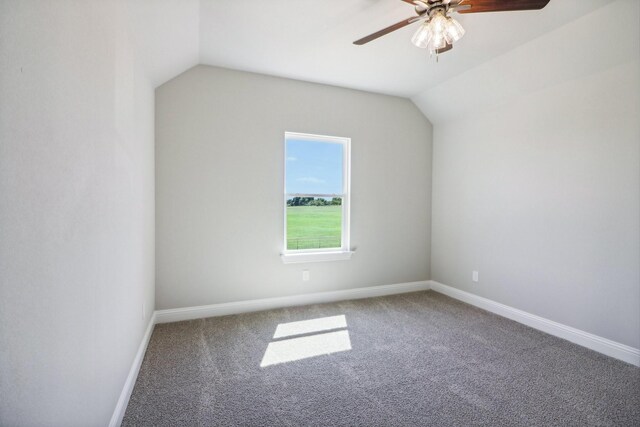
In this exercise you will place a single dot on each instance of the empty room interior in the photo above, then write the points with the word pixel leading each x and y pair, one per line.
pixel 320 213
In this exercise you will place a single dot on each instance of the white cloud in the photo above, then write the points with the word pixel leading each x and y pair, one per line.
pixel 292 159
pixel 311 180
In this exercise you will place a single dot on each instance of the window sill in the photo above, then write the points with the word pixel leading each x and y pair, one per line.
pixel 292 258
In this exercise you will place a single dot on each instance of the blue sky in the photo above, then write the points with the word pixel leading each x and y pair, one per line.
pixel 314 167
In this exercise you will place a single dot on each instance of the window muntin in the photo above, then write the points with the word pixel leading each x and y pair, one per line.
pixel 316 201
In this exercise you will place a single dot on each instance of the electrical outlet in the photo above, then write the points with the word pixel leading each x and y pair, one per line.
pixel 305 275
pixel 474 276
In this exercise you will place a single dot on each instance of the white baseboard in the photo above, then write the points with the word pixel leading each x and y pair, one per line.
pixel 190 313
pixel 602 345
pixel 123 401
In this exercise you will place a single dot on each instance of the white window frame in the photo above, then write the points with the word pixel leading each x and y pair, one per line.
pixel 324 254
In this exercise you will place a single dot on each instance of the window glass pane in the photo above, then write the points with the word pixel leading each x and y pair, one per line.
pixel 314 223
pixel 314 167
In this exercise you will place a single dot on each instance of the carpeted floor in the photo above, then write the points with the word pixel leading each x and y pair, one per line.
pixel 405 360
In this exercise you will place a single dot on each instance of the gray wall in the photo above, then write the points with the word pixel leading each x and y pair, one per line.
pixel 538 187
pixel 219 186
pixel 76 210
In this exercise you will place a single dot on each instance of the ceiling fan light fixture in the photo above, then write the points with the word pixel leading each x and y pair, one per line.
pixel 438 41
pixel 454 31
pixel 438 22
pixel 422 36
pixel 437 32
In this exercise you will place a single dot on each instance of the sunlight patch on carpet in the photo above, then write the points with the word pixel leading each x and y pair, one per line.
pixel 311 339
pixel 305 347
pixel 307 326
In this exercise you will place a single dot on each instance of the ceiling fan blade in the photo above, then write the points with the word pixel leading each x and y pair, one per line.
pixel 421 4
pixel 447 48
pixel 477 6
pixel 387 30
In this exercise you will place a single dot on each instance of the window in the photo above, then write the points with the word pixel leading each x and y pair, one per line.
pixel 316 198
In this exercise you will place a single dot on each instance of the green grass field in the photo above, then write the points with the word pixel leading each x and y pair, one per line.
pixel 310 227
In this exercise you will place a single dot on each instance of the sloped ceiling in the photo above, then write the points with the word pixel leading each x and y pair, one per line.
pixel 311 40
pixel 605 38
pixel 166 36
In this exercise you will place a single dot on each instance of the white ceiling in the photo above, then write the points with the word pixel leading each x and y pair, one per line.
pixel 578 52
pixel 166 35
pixel 311 40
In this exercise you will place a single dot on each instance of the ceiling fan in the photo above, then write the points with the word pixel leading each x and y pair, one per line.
pixel 439 31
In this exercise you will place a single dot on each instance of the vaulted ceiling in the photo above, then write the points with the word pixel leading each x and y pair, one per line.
pixel 311 40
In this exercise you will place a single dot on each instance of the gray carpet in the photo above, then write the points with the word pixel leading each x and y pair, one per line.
pixel 415 359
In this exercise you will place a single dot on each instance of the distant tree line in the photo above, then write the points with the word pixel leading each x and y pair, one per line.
pixel 313 201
